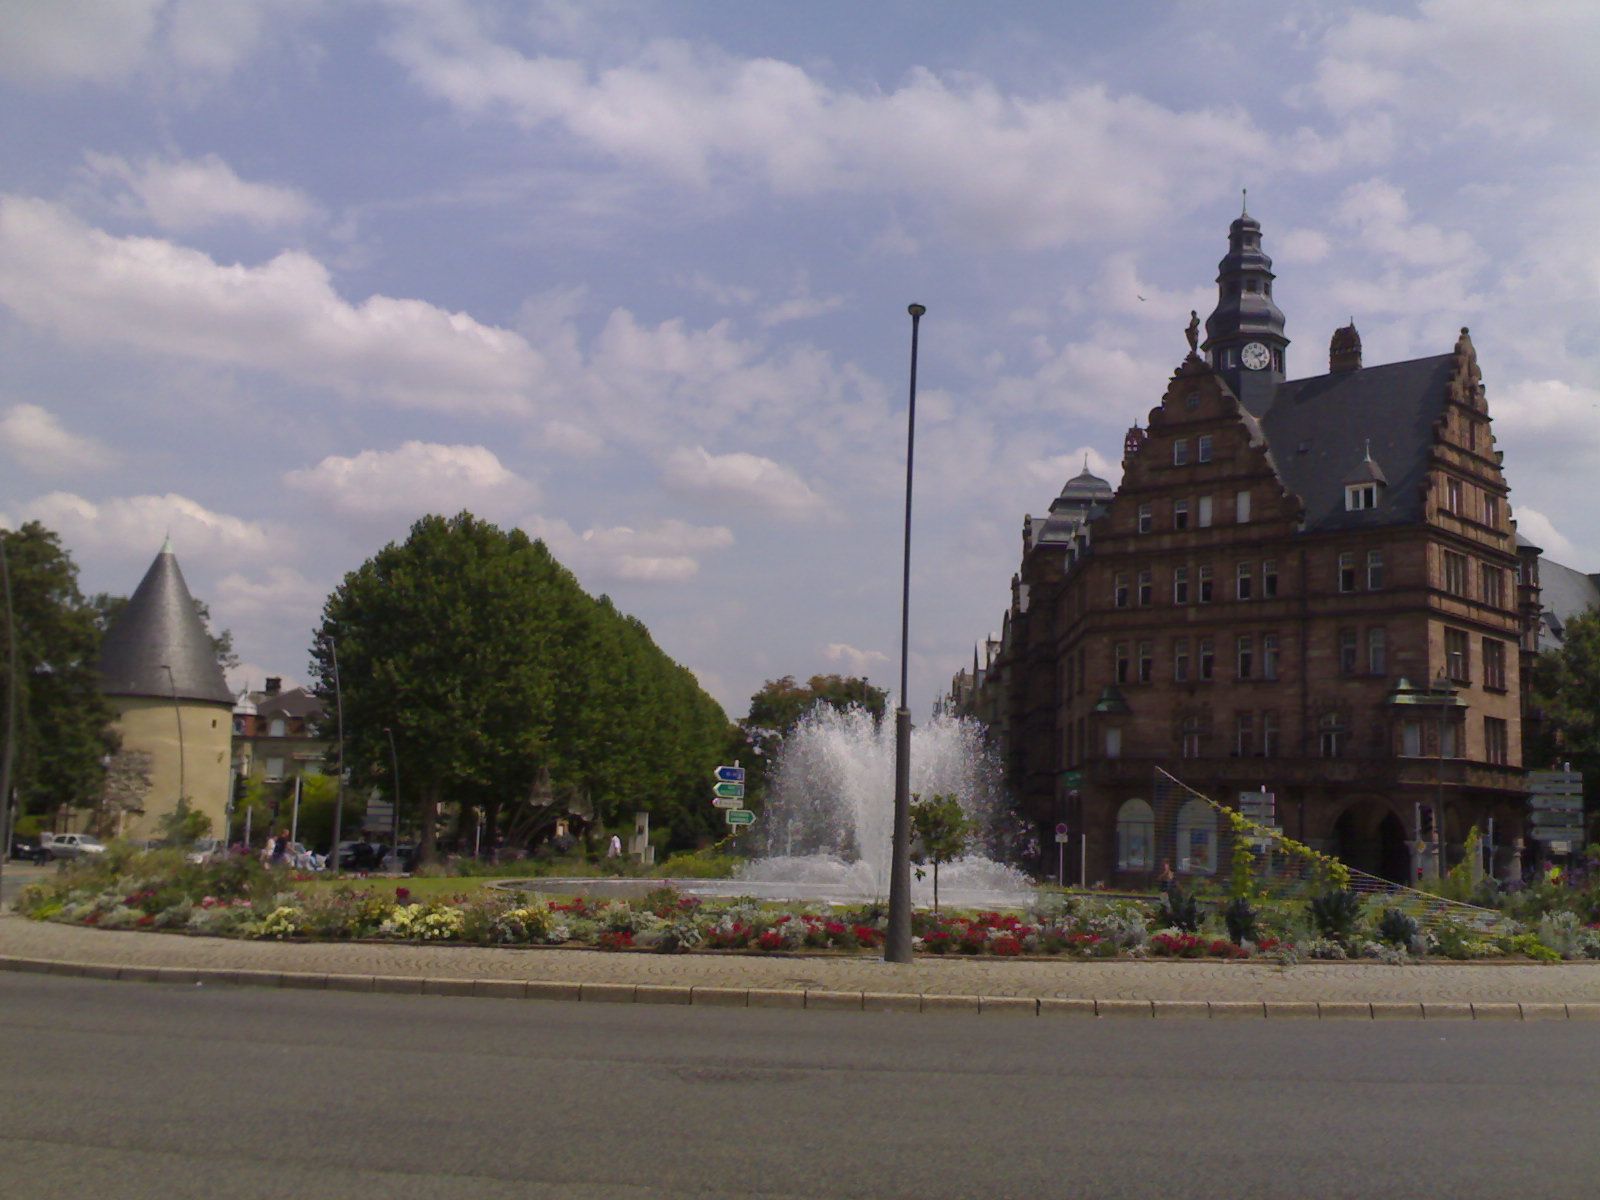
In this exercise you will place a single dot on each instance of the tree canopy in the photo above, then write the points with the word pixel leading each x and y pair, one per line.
pixel 63 723
pixel 1566 703
pixel 778 707
pixel 497 674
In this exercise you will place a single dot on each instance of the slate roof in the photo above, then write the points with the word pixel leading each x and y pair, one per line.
pixel 1318 431
pixel 159 629
pixel 296 702
pixel 1563 594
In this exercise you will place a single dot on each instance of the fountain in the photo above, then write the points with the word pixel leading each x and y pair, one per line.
pixel 828 821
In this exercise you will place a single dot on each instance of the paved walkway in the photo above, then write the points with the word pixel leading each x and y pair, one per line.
pixel 1194 987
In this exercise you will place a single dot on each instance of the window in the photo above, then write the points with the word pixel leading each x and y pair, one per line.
pixel 1180 514
pixel 1491 510
pixel 1180 452
pixel 1269 734
pixel 1496 746
pixel 1241 507
pixel 238 725
pixel 1269 656
pixel 1144 587
pixel 1374 570
pixel 1208 658
pixel 1450 740
pixel 1205 512
pixel 1147 662
pixel 1242 581
pixel 1244 734
pixel 1119 655
pixel 277 727
pixel 1136 835
pixel 1202 448
pixel 1347 572
pixel 1411 739
pixel 274 770
pixel 1377 652
pixel 1494 664
pixel 1119 589
pixel 1190 737
pixel 1146 520
pixel 1269 578
pixel 1492 585
pixel 1180 585
pixel 1331 735
pixel 1452 496
pixel 1455 573
pixel 1244 656
pixel 1359 496
pixel 1197 838
pixel 1347 651
pixel 1113 743
pixel 1180 660
pixel 1455 655
pixel 1205 585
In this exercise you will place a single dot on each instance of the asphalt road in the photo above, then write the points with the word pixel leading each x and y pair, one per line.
pixel 112 1090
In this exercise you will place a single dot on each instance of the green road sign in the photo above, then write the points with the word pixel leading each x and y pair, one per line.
pixel 741 816
pixel 1072 779
pixel 731 790
pixel 725 802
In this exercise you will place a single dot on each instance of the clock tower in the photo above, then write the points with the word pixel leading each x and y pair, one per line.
pixel 1244 335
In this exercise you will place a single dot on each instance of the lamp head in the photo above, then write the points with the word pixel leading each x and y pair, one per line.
pixel 916 310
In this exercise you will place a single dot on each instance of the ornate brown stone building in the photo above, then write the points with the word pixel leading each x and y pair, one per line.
pixel 1306 586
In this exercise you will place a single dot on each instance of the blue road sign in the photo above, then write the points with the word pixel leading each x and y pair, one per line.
pixel 730 774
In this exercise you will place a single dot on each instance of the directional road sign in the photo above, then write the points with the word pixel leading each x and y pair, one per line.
pixel 1565 817
pixel 1557 833
pixel 730 774
pixel 1570 803
pixel 725 802
pixel 741 816
pixel 730 790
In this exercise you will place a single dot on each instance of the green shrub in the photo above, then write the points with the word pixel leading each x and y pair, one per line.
pixel 1396 928
pixel 1240 916
pixel 1335 913
pixel 1178 910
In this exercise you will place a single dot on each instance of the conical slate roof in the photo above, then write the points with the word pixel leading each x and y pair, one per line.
pixel 157 630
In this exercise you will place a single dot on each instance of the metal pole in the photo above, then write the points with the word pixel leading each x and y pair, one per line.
pixel 897 943
pixel 177 712
pixel 11 706
pixel 394 758
pixel 294 817
pixel 338 800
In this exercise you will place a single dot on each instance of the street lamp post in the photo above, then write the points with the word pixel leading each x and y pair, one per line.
pixel 338 799
pixel 897 944
pixel 11 706
pixel 394 759
pixel 1446 692
pixel 177 712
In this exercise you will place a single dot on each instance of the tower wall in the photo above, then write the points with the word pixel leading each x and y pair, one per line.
pixel 151 725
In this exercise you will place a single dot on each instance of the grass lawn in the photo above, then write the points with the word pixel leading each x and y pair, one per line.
pixel 421 889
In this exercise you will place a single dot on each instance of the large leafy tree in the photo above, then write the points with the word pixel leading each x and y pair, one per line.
pixel 63 724
pixel 1566 701
pixel 779 705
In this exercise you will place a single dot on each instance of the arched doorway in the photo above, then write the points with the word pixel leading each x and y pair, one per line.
pixel 1369 837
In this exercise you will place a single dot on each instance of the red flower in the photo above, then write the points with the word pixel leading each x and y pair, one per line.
pixel 770 939
pixel 1005 945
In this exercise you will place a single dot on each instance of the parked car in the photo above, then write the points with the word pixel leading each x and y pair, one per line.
pixel 357 856
pixel 28 850
pixel 206 849
pixel 74 845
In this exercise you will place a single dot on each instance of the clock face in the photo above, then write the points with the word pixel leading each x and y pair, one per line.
pixel 1255 356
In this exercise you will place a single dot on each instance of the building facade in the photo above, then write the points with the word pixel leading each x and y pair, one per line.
pixel 1309 587
pixel 278 736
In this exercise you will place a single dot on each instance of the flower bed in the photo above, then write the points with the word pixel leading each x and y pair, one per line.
pixel 239 898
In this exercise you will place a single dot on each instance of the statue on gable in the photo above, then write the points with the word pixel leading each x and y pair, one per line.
pixel 1193 331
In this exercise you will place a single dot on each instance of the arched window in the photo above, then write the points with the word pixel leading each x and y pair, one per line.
pixel 1136 830
pixel 1197 838
pixel 277 727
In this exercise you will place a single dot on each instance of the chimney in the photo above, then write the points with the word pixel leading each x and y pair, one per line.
pixel 1344 351
pixel 274 684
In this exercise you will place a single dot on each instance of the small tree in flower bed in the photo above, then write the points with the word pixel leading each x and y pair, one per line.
pixel 942 831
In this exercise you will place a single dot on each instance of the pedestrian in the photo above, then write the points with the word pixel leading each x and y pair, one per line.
pixel 614 849
pixel 1166 879
pixel 280 849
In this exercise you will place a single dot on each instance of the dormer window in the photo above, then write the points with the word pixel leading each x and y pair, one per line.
pixel 1360 496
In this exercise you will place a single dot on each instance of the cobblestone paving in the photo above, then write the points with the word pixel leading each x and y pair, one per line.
pixel 1187 980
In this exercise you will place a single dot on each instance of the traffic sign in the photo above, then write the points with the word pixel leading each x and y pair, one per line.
pixel 1574 819
pixel 1573 803
pixel 725 802
pixel 741 816
pixel 1562 783
pixel 730 774
pixel 731 790
pixel 1556 833
pixel 1062 835
pixel 1072 779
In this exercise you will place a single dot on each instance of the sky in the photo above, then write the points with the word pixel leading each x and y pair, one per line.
pixel 278 277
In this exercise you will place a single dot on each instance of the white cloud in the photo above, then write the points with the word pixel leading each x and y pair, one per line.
pixel 181 194
pixel 857 663
pixel 985 160
pixel 1377 210
pixel 416 479
pixel 571 440
pixel 283 595
pixel 741 480
pixel 38 443
pixel 1541 531
pixel 1301 246
pixel 132 528
pixel 800 308
pixel 661 552
pixel 283 316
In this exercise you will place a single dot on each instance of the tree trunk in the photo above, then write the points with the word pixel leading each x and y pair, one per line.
pixel 936 886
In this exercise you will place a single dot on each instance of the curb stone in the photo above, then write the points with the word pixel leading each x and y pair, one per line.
pixel 814 998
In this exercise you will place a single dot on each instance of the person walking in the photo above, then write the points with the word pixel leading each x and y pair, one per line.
pixel 280 850
pixel 614 849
